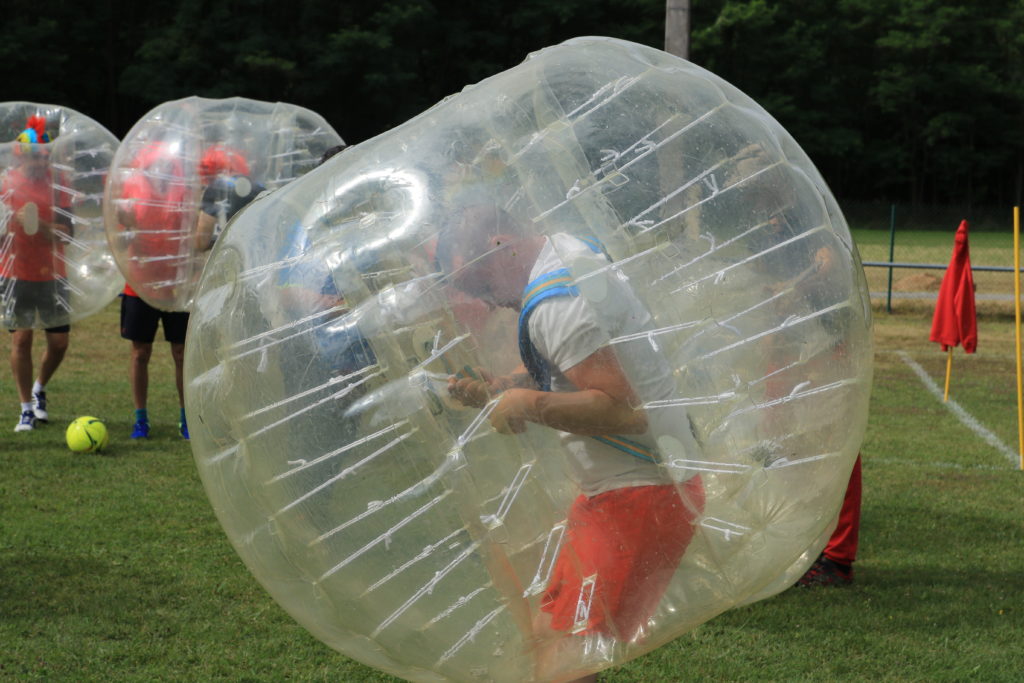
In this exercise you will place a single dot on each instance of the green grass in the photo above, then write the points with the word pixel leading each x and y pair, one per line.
pixel 936 246
pixel 113 567
pixel 939 594
pixel 994 290
pixel 933 246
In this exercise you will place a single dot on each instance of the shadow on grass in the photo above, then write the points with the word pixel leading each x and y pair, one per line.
pixel 46 586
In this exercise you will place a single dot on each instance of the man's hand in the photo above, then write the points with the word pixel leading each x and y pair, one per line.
pixel 508 417
pixel 472 389
pixel 604 402
pixel 823 260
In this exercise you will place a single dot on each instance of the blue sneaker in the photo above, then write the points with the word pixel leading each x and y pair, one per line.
pixel 183 428
pixel 39 406
pixel 140 430
pixel 27 422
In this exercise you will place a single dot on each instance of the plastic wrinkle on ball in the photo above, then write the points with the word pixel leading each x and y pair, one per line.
pixel 194 156
pixel 55 265
pixel 396 524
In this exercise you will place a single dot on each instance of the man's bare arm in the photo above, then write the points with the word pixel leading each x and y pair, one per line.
pixel 605 402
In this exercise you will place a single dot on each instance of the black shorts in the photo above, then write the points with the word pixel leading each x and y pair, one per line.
pixel 24 302
pixel 139 321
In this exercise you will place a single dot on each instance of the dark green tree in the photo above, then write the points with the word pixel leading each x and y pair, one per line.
pixel 909 100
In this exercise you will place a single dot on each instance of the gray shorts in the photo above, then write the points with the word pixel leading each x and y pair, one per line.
pixel 24 303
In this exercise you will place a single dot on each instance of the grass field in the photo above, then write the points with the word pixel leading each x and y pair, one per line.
pixel 113 567
pixel 988 249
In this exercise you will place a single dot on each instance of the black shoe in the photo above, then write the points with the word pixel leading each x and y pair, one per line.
pixel 826 572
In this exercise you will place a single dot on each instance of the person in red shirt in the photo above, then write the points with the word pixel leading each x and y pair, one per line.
pixel 33 286
pixel 152 206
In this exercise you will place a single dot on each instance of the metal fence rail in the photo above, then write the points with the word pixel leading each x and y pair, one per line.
pixel 918 250
pixel 935 266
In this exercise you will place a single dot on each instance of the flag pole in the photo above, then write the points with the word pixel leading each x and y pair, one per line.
pixel 949 369
pixel 1016 308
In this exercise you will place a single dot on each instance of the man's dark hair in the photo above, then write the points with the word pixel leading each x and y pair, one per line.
pixel 331 151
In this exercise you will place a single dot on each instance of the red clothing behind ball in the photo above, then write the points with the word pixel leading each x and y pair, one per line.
pixel 842 546
pixel 35 257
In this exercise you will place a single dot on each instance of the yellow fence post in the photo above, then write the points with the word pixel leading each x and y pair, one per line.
pixel 1016 308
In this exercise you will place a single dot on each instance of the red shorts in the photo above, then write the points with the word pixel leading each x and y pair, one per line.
pixel 622 548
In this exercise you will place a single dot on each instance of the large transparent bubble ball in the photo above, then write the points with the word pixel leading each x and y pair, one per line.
pixel 163 170
pixel 397 525
pixel 55 265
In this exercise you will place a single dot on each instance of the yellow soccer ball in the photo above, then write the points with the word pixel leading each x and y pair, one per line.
pixel 87 435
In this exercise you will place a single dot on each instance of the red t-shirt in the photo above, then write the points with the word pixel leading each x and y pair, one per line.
pixel 36 257
pixel 160 243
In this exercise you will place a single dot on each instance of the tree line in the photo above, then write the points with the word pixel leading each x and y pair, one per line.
pixel 918 101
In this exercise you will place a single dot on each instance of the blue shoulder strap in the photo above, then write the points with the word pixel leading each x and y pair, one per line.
pixel 554 284
pixel 594 244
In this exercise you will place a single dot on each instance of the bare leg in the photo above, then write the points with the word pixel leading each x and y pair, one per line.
pixel 21 363
pixel 178 354
pixel 139 373
pixel 56 348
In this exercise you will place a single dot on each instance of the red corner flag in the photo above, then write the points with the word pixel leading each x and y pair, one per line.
pixel 955 322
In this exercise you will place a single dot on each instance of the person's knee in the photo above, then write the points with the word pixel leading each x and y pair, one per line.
pixel 141 353
pixel 58 343
pixel 178 352
pixel 21 342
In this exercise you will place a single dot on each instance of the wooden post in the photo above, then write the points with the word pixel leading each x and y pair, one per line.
pixel 677 28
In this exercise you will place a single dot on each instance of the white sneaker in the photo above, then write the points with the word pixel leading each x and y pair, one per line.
pixel 39 406
pixel 27 422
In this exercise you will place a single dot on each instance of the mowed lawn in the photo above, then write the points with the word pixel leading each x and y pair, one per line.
pixel 113 567
pixel 988 250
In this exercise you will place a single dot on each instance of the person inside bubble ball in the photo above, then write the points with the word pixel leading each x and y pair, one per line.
pixel 630 525
pixel 151 205
pixel 32 274
pixel 834 565
pixel 229 187
pixel 307 288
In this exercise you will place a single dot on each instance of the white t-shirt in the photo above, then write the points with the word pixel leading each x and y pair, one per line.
pixel 567 329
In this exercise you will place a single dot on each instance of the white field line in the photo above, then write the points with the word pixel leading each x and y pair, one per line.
pixel 966 418
pixel 934 465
